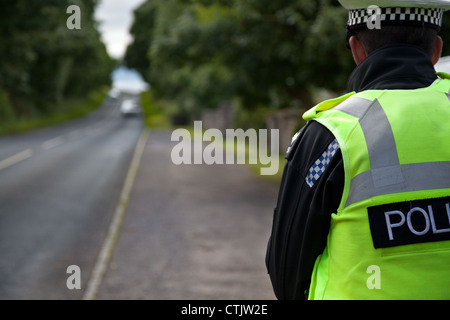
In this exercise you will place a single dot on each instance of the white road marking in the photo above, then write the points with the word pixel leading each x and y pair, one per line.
pixel 116 223
pixel 18 157
pixel 49 144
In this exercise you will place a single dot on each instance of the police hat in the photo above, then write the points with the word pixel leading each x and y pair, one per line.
pixel 421 13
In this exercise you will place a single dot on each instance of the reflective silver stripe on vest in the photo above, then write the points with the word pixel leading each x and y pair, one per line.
pixel 387 176
pixel 417 176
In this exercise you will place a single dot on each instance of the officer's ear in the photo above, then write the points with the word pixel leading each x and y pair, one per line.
pixel 358 51
pixel 438 44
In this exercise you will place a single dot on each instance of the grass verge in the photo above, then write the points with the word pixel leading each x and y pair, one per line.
pixel 69 109
pixel 154 115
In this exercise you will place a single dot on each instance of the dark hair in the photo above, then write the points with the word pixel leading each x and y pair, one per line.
pixel 373 39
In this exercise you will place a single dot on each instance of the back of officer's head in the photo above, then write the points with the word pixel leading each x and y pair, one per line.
pixel 373 39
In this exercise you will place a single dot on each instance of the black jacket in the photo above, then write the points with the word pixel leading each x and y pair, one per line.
pixel 302 214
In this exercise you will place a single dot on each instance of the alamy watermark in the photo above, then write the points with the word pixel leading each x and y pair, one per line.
pixel 374 280
pixel 74 20
pixel 74 280
pixel 237 147
pixel 374 17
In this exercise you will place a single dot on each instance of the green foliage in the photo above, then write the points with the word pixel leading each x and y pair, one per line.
pixel 42 62
pixel 263 52
pixel 6 110
pixel 154 115
pixel 142 28
pixel 199 53
pixel 72 108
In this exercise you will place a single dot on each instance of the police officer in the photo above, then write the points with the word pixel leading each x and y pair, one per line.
pixel 363 210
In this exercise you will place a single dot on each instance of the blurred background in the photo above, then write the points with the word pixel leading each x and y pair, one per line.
pixel 74 103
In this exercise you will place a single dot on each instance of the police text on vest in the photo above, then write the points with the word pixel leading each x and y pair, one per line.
pixel 410 222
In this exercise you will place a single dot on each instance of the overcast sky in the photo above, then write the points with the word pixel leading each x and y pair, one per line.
pixel 115 18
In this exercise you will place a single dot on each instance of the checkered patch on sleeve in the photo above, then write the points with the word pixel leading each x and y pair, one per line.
pixel 320 165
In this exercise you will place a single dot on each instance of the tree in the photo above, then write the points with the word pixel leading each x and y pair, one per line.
pixel 42 61
pixel 136 55
pixel 263 52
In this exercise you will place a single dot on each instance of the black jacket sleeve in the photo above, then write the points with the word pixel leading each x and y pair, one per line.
pixel 302 215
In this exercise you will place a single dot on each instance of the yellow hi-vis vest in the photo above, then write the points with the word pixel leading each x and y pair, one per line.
pixel 390 236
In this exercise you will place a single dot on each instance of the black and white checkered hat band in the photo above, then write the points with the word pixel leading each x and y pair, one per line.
pixel 431 16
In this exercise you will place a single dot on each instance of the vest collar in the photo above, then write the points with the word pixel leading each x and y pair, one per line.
pixel 393 67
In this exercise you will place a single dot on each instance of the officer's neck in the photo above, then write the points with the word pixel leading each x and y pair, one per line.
pixel 393 67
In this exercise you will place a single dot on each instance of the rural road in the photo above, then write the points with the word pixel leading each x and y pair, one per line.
pixel 189 231
pixel 58 190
